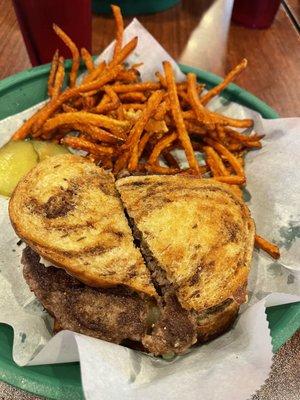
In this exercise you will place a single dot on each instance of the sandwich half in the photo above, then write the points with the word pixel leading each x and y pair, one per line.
pixel 68 211
pixel 196 235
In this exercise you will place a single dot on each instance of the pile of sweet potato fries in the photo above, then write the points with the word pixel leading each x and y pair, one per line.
pixel 124 124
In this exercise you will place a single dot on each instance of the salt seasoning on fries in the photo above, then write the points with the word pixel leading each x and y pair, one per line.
pixel 129 126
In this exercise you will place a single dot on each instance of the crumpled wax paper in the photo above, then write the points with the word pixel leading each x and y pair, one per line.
pixel 231 367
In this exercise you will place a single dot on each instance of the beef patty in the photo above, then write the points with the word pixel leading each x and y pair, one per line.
pixel 114 314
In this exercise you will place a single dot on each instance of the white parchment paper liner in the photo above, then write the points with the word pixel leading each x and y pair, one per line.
pixel 231 367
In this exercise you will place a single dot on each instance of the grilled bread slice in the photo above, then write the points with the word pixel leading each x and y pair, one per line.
pixel 199 233
pixel 216 320
pixel 69 212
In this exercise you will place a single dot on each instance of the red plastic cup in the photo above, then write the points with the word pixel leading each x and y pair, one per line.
pixel 36 17
pixel 255 13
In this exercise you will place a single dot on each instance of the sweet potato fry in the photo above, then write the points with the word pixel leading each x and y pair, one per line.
pixel 74 50
pixel 160 146
pixel 253 145
pixel 59 78
pixel 95 133
pixel 137 130
pixel 129 76
pixel 52 73
pixel 133 106
pixel 241 137
pixel 161 79
pixel 268 247
pixel 33 124
pixel 178 118
pixel 161 111
pixel 104 100
pixel 201 113
pixel 221 86
pixel 133 97
pixel 105 105
pixel 144 140
pixel 120 112
pixel 85 118
pixel 158 169
pixel 156 126
pixel 119 29
pixel 212 166
pixel 220 168
pixel 95 74
pixel 88 102
pixel 88 59
pixel 221 119
pixel 124 52
pixel 121 162
pixel 68 108
pixel 228 155
pixel 135 87
pixel 234 146
pixel 237 123
pixel 83 144
pixel 194 128
pixel 132 142
pixel 182 86
pixel 220 133
pixel 170 159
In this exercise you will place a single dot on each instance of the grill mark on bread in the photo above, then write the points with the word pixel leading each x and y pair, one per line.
pixel 162 189
pixel 74 227
pixel 232 230
pixel 116 233
pixel 196 276
pixel 87 250
pixel 59 205
pixel 160 192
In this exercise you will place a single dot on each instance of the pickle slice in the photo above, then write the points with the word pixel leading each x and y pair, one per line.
pixel 16 159
pixel 48 149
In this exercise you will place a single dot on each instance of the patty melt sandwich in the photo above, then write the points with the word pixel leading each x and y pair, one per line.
pixel 156 263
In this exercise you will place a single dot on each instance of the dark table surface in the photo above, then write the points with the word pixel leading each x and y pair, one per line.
pixel 188 35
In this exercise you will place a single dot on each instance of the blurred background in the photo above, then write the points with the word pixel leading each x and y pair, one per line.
pixel 212 35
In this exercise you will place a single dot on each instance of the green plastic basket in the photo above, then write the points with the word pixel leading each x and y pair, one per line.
pixel 62 381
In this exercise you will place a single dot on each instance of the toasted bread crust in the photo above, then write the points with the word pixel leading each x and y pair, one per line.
pixel 58 209
pixel 198 230
pixel 216 320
